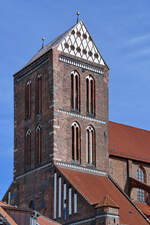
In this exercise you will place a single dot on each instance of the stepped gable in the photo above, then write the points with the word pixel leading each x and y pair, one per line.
pixel 95 187
pixel 129 142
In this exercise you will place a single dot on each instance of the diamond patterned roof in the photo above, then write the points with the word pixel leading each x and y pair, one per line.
pixel 79 43
pixel 75 41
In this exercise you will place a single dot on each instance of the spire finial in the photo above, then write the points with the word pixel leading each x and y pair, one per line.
pixel 78 14
pixel 43 39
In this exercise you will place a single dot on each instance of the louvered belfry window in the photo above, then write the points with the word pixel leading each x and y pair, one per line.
pixel 76 142
pixel 75 91
pixel 38 146
pixel 27 153
pixel 90 95
pixel 90 146
pixel 38 95
pixel 28 100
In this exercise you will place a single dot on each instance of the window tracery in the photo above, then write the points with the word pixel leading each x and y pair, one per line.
pixel 90 95
pixel 90 146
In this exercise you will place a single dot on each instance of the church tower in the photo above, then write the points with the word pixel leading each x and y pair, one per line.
pixel 61 116
pixel 61 105
pixel 61 161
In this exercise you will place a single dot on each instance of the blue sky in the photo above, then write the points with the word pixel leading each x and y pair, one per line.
pixel 121 31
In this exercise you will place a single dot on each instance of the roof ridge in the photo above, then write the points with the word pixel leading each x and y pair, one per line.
pixel 47 47
pixel 126 125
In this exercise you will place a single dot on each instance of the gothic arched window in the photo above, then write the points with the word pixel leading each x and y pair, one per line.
pixel 90 146
pixel 75 91
pixel 28 99
pixel 141 177
pixel 38 145
pixel 38 94
pixel 76 138
pixel 90 95
pixel 27 153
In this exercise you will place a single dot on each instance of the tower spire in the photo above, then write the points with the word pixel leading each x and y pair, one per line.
pixel 78 14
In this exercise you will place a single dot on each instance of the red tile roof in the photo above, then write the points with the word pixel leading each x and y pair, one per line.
pixel 7 217
pixel 107 202
pixel 94 188
pixel 145 208
pixel 45 221
pixel 5 204
pixel 129 142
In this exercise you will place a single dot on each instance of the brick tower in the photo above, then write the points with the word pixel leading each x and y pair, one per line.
pixel 61 162
pixel 61 115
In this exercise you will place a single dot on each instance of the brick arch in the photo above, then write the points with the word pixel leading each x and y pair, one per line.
pixel 76 141
pixel 75 90
pixel 90 95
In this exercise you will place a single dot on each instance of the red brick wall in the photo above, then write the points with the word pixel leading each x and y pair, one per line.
pixel 63 122
pixel 43 119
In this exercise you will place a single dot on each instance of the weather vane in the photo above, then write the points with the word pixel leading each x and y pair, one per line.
pixel 43 39
pixel 78 14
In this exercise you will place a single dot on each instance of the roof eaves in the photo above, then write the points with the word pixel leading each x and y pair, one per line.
pixel 7 216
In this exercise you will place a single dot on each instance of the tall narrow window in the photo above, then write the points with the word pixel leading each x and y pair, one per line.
pixel 27 153
pixel 70 201
pixel 75 202
pixel 90 145
pixel 38 101
pixel 140 193
pixel 75 91
pixel 90 95
pixel 65 201
pixel 76 142
pixel 55 195
pixel 38 145
pixel 59 199
pixel 28 99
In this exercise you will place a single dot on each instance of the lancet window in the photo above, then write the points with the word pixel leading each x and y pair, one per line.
pixel 27 153
pixel 75 91
pixel 28 99
pixel 90 95
pixel 38 146
pixel 38 95
pixel 76 139
pixel 90 146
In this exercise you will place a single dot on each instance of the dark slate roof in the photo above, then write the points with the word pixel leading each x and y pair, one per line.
pixel 47 47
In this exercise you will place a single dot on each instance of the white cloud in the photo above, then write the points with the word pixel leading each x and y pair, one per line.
pixel 138 39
